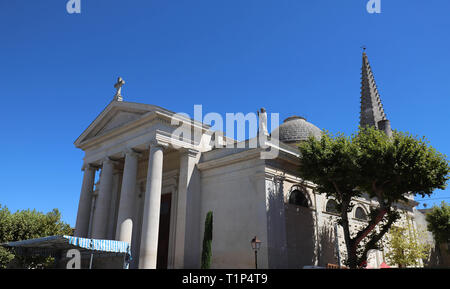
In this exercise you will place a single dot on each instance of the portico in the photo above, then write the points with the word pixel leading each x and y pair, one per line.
pixel 131 197
pixel 129 144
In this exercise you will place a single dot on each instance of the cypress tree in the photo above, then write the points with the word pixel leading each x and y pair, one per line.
pixel 207 240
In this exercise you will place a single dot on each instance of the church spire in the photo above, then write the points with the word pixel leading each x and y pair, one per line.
pixel 372 112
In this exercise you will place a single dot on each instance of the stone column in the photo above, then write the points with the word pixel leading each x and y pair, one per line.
pixel 152 203
pixel 85 203
pixel 188 159
pixel 91 218
pixel 127 195
pixel 103 202
pixel 114 207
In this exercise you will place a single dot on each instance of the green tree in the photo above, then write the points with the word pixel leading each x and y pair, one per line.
pixel 24 225
pixel 406 246
pixel 386 168
pixel 207 240
pixel 439 222
pixel 5 234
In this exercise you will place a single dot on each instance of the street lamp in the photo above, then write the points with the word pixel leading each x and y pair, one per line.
pixel 256 244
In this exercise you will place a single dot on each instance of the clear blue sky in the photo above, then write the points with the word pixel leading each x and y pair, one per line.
pixel 57 72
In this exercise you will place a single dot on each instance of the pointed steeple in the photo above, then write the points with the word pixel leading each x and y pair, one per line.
pixel 372 111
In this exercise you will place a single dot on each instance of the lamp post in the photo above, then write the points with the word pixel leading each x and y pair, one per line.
pixel 256 244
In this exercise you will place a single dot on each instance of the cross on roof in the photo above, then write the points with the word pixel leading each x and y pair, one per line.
pixel 118 86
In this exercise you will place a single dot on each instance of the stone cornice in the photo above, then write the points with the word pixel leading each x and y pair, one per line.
pixel 189 151
pixel 165 138
pixel 282 147
pixel 230 159
pixel 274 174
pixel 285 153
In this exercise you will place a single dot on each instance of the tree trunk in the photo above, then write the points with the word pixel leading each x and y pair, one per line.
pixel 349 243
pixel 352 243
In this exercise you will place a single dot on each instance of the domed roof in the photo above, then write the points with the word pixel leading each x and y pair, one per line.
pixel 295 129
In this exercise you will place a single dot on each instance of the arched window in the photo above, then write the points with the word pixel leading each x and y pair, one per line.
pixel 298 198
pixel 360 214
pixel 332 207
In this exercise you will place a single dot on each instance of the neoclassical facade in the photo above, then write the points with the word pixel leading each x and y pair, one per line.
pixel 147 185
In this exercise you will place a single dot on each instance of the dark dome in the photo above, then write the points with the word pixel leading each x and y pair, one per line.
pixel 295 129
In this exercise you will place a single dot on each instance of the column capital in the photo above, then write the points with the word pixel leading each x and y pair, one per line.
pixel 132 152
pixel 275 176
pixel 109 160
pixel 89 166
pixel 280 179
pixel 158 144
pixel 188 151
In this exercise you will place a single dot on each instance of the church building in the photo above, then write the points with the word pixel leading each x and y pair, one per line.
pixel 145 186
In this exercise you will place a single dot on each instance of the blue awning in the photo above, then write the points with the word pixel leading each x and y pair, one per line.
pixel 55 245
pixel 67 242
pixel 100 245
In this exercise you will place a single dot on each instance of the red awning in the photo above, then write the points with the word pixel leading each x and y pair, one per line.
pixel 384 265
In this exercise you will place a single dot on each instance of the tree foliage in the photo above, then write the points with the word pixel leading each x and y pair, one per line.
pixel 24 225
pixel 207 241
pixel 438 220
pixel 407 246
pixel 385 168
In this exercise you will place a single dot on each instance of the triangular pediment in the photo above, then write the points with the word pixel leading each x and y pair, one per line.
pixel 120 118
pixel 116 115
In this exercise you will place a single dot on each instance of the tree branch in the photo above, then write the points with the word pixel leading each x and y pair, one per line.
pixel 370 226
pixel 372 244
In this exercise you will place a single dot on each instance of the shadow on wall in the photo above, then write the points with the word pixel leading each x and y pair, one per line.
pixel 276 229
pixel 303 248
pixel 327 245
pixel 300 237
pixel 292 234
